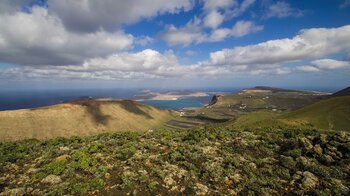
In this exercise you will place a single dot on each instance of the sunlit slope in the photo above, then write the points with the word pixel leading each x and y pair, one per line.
pixel 224 107
pixel 333 113
pixel 81 118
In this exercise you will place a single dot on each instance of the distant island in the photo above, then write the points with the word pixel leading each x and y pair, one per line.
pixel 170 95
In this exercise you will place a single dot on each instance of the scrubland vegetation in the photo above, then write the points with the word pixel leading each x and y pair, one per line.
pixel 207 160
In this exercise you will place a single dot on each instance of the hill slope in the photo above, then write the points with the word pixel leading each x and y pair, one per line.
pixel 211 160
pixel 80 118
pixel 343 92
pixel 333 113
pixel 271 89
pixel 229 106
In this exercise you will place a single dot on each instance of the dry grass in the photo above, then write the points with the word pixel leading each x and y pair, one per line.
pixel 79 119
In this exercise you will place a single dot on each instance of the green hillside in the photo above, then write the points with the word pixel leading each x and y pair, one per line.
pixel 224 107
pixel 333 113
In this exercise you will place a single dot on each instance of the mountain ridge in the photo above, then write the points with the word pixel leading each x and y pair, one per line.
pixel 84 117
pixel 343 92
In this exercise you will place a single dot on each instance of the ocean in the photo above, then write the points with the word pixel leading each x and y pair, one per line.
pixel 188 102
pixel 12 100
pixel 24 99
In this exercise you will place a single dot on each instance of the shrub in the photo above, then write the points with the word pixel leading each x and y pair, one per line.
pixel 294 153
pixel 96 147
pixel 56 167
pixel 82 160
pixel 231 160
pixel 78 187
pixel 159 173
pixel 176 156
pixel 288 162
pixel 153 186
pixel 319 170
pixel 125 152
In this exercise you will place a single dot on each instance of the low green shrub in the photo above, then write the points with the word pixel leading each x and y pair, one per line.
pixel 125 152
pixel 81 160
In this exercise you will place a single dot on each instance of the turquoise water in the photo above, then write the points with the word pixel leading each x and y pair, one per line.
pixel 194 102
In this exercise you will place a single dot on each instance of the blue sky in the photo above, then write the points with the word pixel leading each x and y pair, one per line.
pixel 174 44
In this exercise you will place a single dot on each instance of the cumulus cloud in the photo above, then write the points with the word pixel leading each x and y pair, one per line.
pixel 145 64
pixel 283 9
pixel 215 13
pixel 240 9
pixel 10 6
pixel 86 43
pixel 193 33
pixel 144 40
pixel 145 60
pixel 190 33
pixel 38 38
pixel 324 65
pixel 231 8
pixel 329 64
pixel 213 19
pixel 218 11
pixel 309 43
pixel 218 4
pixel 91 15
pixel 240 29
pixel 307 68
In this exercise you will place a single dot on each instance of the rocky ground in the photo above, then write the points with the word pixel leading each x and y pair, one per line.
pixel 203 161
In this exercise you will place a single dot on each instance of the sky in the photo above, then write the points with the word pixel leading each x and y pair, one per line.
pixel 50 44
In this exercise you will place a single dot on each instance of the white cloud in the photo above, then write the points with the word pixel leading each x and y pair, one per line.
pixel 145 60
pixel 240 9
pixel 240 29
pixel 323 65
pixel 193 33
pixel 10 6
pixel 39 38
pixel 91 15
pixel 232 8
pixel 307 68
pixel 329 64
pixel 214 14
pixel 218 4
pixel 218 11
pixel 278 70
pixel 213 19
pixel 144 40
pixel 283 9
pixel 190 33
pixel 145 64
pixel 310 43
